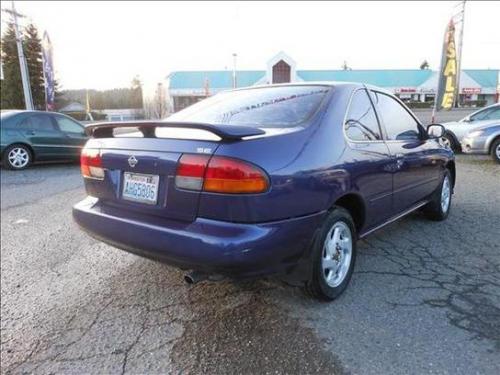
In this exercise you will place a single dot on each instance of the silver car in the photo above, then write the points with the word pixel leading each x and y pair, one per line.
pixel 483 140
pixel 456 130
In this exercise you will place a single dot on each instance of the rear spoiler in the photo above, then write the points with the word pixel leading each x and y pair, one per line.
pixel 147 128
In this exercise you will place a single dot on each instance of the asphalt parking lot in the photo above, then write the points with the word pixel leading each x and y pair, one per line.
pixel 424 298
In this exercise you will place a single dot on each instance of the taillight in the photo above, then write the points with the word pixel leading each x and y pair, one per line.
pixel 190 171
pixel 226 175
pixel 220 175
pixel 91 163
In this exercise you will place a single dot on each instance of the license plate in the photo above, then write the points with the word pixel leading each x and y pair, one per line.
pixel 141 188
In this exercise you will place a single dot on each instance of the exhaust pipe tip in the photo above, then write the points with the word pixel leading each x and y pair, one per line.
pixel 195 277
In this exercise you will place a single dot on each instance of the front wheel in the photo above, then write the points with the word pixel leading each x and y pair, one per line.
pixel 439 206
pixel 495 151
pixel 449 142
pixel 333 256
pixel 17 157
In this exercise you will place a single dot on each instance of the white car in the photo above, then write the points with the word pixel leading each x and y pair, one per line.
pixel 456 130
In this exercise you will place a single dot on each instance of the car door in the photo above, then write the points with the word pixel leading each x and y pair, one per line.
pixel 477 119
pixel 416 171
pixel 44 136
pixel 74 136
pixel 369 158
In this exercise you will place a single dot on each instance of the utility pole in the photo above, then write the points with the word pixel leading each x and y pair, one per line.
pixel 235 84
pixel 22 60
pixel 461 20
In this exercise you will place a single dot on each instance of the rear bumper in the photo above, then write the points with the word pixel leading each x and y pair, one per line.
pixel 236 250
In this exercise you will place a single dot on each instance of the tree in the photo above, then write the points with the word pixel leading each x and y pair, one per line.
pixel 160 103
pixel 345 66
pixel 424 65
pixel 136 93
pixel 12 86
pixel 32 45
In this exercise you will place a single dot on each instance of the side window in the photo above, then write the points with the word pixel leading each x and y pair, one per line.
pixel 39 122
pixel 493 115
pixel 68 126
pixel 361 122
pixel 399 124
pixel 482 115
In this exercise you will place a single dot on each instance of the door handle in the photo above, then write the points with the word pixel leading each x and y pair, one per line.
pixel 30 132
pixel 399 160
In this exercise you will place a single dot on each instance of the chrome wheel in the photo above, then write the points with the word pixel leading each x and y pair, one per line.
pixel 337 254
pixel 18 157
pixel 497 151
pixel 445 194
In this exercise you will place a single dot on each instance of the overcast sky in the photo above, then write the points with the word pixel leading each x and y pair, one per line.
pixel 104 44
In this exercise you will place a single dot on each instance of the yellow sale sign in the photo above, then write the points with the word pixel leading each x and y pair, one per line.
pixel 447 86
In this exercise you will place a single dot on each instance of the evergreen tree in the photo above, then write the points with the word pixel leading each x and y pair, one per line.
pixel 12 88
pixel 32 45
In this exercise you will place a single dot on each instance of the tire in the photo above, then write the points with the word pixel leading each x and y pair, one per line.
pixel 495 150
pixel 17 157
pixel 450 142
pixel 338 230
pixel 439 206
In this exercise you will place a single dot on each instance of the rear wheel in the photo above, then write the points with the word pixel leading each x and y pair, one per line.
pixel 495 150
pixel 439 207
pixel 17 157
pixel 333 256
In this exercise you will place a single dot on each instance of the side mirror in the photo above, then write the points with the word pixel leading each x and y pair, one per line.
pixel 435 131
pixel 467 119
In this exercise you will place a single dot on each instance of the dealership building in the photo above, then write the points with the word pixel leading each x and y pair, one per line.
pixel 477 86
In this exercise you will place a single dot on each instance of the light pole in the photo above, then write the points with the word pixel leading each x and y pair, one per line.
pixel 460 44
pixel 22 60
pixel 235 84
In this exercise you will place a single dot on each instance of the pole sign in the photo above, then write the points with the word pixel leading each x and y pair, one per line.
pixel 448 73
pixel 48 73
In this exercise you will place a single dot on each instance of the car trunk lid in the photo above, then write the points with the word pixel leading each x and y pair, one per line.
pixel 140 161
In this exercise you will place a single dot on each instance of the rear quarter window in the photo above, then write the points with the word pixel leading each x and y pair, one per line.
pixel 280 107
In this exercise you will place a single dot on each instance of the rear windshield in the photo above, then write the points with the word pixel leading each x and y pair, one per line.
pixel 279 107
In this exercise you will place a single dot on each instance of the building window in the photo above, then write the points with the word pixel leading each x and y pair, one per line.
pixel 281 72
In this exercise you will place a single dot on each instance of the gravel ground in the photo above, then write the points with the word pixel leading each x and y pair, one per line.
pixel 424 298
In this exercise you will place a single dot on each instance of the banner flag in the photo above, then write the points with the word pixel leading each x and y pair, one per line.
pixel 447 83
pixel 48 73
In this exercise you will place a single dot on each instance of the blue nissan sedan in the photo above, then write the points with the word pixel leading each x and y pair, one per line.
pixel 281 179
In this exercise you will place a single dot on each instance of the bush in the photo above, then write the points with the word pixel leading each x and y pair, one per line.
pixel 474 103
pixel 420 104
pixel 82 116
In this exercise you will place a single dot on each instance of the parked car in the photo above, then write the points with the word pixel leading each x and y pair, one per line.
pixel 280 179
pixel 483 140
pixel 36 136
pixel 456 130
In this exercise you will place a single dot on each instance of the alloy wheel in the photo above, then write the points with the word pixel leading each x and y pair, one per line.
pixel 445 194
pixel 19 157
pixel 337 254
pixel 497 151
pixel 446 142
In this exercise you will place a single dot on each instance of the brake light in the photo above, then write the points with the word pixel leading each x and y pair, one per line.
pixel 220 175
pixel 91 163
